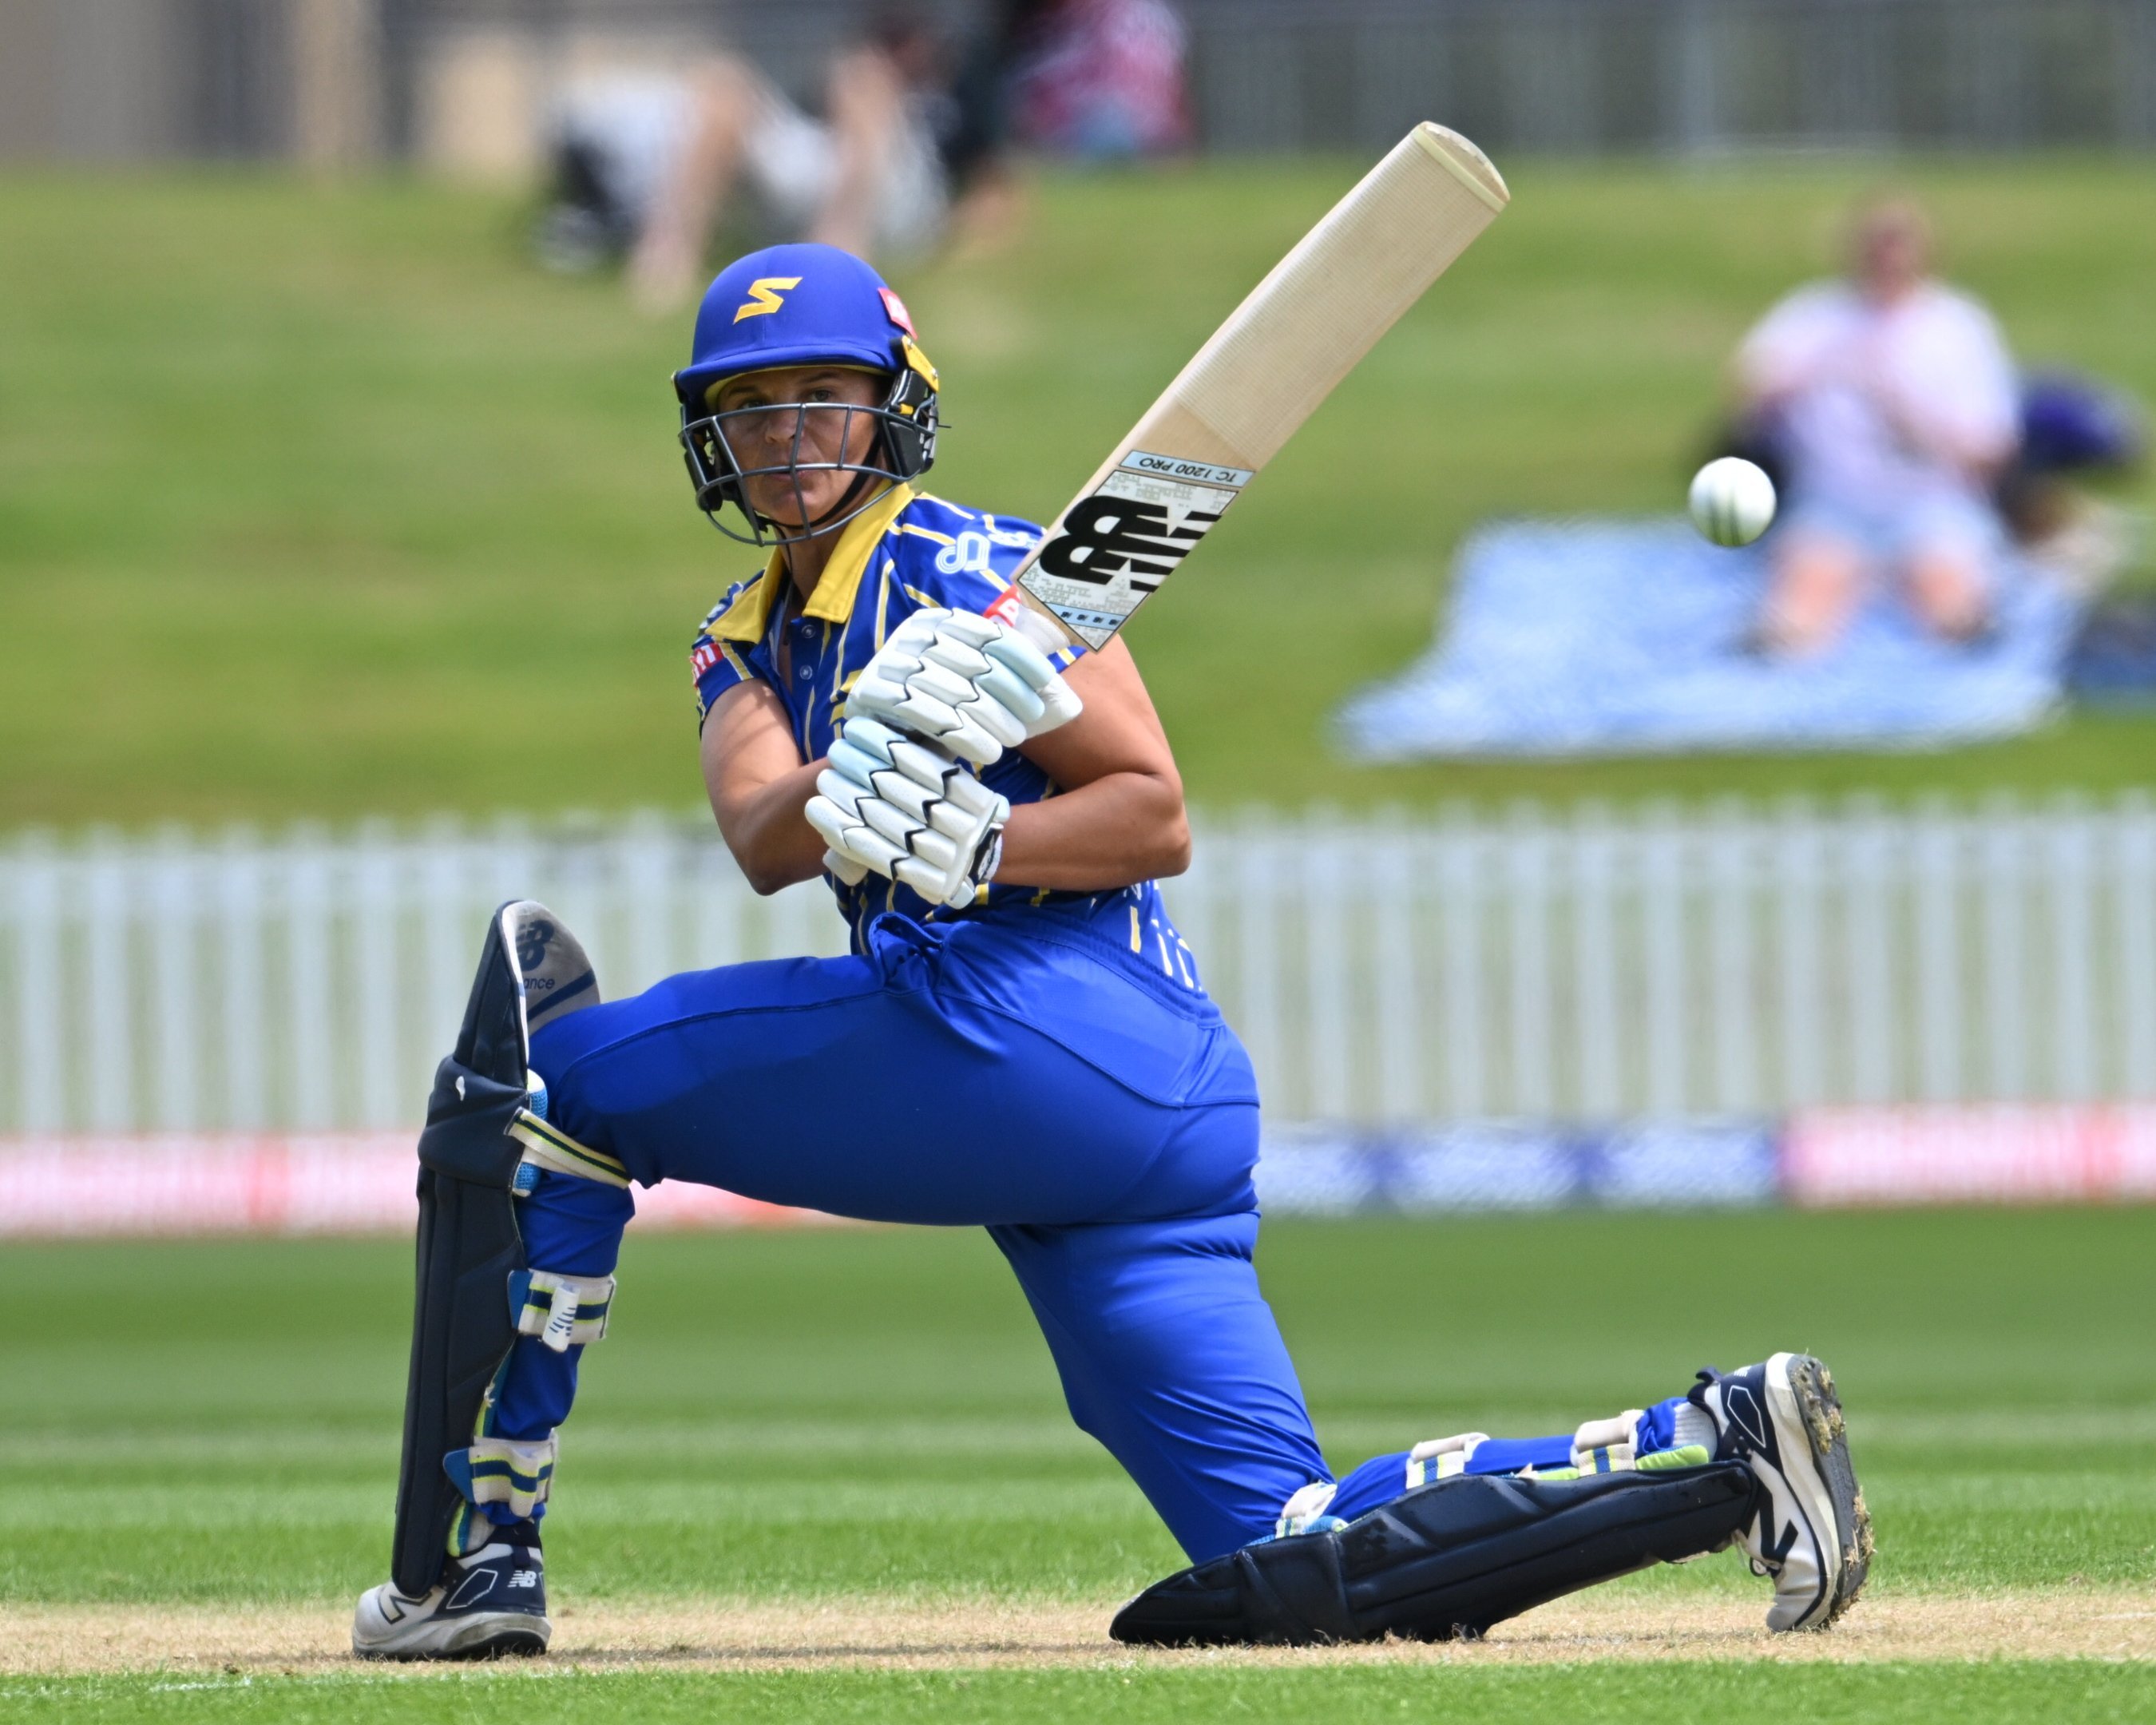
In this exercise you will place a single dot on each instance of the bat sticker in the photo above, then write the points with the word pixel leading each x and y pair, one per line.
pixel 1116 545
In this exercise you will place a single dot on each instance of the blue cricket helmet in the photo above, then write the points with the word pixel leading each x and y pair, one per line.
pixel 794 305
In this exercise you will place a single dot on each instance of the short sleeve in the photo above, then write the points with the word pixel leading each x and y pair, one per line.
pixel 715 666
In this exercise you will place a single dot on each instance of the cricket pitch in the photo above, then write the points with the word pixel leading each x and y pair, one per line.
pixel 872 1634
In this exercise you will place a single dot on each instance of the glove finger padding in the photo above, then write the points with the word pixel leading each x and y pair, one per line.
pixel 1061 705
pixel 938 850
pixel 891 821
pixel 911 638
pixel 1021 706
pixel 854 763
pixel 974 799
pixel 909 811
pixel 971 684
pixel 958 657
pixel 1030 664
pixel 870 737
pixel 970 627
pixel 921 712
pixel 940 682
pixel 925 765
pixel 852 839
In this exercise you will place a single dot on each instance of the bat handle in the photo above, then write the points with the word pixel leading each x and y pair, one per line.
pixel 1033 619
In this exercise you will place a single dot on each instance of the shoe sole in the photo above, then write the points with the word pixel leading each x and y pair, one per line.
pixel 503 1635
pixel 1801 1394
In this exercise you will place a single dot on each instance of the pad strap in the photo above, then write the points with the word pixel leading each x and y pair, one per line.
pixel 1307 1511
pixel 547 1147
pixel 502 1470
pixel 1610 1446
pixel 1441 1458
pixel 564 1312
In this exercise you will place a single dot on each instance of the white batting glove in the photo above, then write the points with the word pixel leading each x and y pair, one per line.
pixel 972 684
pixel 907 810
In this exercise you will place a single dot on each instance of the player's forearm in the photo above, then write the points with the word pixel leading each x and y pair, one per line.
pixel 766 832
pixel 1120 829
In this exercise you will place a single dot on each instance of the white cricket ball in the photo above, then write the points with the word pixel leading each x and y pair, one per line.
pixel 1732 501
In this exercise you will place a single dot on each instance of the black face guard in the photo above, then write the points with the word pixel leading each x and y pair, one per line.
pixel 904 447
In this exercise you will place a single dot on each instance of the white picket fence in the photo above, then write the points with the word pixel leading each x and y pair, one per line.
pixel 1585 964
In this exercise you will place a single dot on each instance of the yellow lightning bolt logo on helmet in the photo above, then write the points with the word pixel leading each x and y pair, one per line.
pixel 763 297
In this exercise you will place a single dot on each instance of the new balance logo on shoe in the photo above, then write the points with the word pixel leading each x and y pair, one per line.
pixel 1745 1412
pixel 475 1586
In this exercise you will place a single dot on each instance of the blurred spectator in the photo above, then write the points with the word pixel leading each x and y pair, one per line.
pixel 1097 79
pixel 2072 427
pixel 1890 400
pixel 903 155
pixel 870 175
pixel 910 153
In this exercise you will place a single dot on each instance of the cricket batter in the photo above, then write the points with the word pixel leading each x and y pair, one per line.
pixel 1018 1040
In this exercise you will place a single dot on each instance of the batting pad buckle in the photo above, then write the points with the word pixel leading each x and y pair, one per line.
pixel 546 1147
pixel 502 1470
pixel 1307 1511
pixel 1610 1446
pixel 564 1312
pixel 1442 1458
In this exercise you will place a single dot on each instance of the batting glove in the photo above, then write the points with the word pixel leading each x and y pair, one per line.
pixel 971 684
pixel 907 810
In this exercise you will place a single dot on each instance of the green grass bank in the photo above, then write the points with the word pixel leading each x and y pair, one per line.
pixel 323 501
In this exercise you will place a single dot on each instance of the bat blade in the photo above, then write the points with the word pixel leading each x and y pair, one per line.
pixel 1263 373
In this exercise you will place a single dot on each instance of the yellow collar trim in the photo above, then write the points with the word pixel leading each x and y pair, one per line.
pixel 841 581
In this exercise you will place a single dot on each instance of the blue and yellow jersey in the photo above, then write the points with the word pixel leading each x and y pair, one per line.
pixel 907 551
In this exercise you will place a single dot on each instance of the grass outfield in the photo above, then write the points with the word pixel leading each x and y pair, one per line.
pixel 828 1475
pixel 323 501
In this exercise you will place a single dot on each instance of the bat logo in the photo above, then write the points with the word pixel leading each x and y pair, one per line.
pixel 763 297
pixel 1104 537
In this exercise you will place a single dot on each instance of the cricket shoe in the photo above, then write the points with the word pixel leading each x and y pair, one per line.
pixel 488 1605
pixel 1812 1533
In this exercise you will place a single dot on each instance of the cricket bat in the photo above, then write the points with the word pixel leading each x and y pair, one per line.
pixel 1282 352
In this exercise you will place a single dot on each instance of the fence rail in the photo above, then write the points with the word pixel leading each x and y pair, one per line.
pixel 1585 964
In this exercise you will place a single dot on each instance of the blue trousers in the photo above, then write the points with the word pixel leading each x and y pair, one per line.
pixel 1020 1073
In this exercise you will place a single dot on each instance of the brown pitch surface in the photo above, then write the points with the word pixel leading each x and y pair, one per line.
pixel 875 1634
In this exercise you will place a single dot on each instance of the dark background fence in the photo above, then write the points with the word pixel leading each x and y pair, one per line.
pixel 345 79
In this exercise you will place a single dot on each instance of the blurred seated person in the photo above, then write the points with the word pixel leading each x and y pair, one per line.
pixel 901 153
pixel 1890 400
pixel 1096 80
pixel 645 165
pixel 910 154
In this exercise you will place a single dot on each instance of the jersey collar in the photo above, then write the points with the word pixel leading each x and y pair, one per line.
pixel 841 581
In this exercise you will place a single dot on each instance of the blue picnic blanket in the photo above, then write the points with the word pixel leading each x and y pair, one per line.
pixel 1615 637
